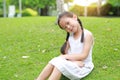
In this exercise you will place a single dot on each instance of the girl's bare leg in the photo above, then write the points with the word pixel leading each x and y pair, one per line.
pixel 46 72
pixel 55 75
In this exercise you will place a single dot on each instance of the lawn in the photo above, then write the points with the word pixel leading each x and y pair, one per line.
pixel 28 43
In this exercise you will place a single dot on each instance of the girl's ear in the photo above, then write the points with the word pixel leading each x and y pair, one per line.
pixel 74 17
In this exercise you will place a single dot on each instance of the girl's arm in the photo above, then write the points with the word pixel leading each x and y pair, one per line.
pixel 88 42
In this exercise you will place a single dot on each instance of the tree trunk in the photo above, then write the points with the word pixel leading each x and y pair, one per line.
pixel 99 8
pixel 4 8
pixel 60 6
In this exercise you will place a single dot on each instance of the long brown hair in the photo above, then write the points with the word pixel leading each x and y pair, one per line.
pixel 69 14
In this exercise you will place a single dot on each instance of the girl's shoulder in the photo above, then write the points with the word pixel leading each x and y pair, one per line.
pixel 87 32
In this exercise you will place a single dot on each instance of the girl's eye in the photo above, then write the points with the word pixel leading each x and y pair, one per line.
pixel 67 23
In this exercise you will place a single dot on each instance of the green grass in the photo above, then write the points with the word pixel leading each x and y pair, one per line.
pixel 40 39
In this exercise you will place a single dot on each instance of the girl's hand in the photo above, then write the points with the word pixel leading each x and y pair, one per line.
pixel 79 63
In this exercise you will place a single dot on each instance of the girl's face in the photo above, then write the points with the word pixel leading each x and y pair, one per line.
pixel 70 25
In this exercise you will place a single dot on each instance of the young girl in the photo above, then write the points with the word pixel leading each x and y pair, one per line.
pixel 75 62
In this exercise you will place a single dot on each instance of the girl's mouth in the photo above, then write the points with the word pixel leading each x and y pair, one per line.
pixel 71 29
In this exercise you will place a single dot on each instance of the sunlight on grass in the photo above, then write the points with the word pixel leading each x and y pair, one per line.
pixel 28 43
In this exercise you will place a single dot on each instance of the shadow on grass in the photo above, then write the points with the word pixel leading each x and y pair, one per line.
pixel 64 78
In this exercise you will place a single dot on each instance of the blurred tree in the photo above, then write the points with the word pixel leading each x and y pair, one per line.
pixel 113 2
pixel 1 3
pixel 116 6
pixel 66 1
pixel 41 6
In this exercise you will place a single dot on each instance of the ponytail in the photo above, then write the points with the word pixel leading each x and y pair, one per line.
pixel 82 37
pixel 63 48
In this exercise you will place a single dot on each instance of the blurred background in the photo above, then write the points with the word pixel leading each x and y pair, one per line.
pixel 20 8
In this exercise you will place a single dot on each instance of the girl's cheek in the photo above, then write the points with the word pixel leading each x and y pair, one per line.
pixel 67 30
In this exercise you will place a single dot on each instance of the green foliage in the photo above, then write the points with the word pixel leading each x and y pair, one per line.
pixel 79 10
pixel 105 9
pixel 28 43
pixel 115 10
pixel 114 2
pixel 91 10
pixel 1 5
pixel 34 4
pixel 66 1
pixel 1 9
pixel 29 12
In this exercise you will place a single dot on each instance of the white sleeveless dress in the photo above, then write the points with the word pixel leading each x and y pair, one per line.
pixel 70 69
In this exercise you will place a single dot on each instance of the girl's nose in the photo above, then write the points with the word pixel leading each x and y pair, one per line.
pixel 68 26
